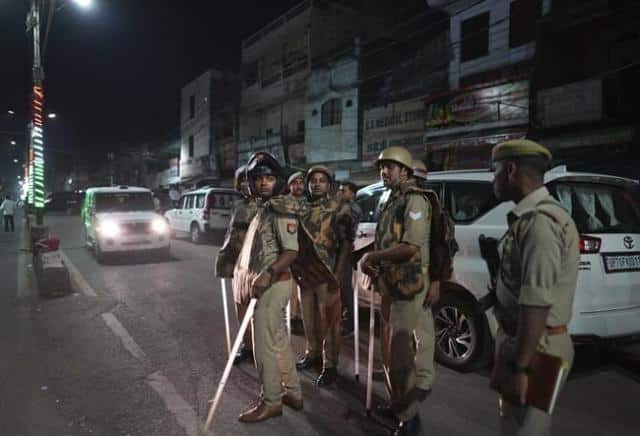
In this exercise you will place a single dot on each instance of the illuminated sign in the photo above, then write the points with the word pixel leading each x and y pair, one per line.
pixel 36 194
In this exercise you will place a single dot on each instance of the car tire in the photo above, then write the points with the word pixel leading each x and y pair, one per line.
pixel 195 233
pixel 459 332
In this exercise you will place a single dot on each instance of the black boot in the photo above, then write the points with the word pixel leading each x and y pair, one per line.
pixel 243 354
pixel 408 428
pixel 328 376
pixel 309 362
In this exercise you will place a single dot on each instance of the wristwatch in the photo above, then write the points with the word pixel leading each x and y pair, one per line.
pixel 518 369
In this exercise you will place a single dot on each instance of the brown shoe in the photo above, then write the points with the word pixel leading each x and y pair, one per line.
pixel 260 412
pixel 290 400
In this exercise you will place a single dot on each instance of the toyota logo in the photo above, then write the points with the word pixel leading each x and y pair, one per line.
pixel 628 242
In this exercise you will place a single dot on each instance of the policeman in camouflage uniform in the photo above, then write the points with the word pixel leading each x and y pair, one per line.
pixel 243 211
pixel 399 266
pixel 262 271
pixel 330 224
pixel 536 280
pixel 296 191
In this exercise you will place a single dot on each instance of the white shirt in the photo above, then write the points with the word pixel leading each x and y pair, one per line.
pixel 8 207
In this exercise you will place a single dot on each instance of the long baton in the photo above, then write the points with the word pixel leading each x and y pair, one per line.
pixel 356 330
pixel 288 318
pixel 227 369
pixel 370 362
pixel 225 309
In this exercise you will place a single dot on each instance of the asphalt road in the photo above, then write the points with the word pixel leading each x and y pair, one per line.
pixel 138 348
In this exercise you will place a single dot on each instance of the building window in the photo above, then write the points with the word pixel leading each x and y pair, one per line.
pixel 314 112
pixel 523 16
pixel 349 103
pixel 269 132
pixel 192 106
pixel 191 146
pixel 474 37
pixel 301 126
pixel 250 74
pixel 331 112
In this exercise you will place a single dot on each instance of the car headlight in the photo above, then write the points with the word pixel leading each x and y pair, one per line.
pixel 109 229
pixel 158 225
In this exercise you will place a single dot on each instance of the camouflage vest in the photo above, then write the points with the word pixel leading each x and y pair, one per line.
pixel 400 280
pixel 243 212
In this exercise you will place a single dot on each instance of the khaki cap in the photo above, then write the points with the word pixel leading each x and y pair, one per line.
pixel 519 148
pixel 397 154
pixel 296 175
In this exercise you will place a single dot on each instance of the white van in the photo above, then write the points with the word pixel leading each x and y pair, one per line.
pixel 607 214
pixel 202 212
pixel 123 219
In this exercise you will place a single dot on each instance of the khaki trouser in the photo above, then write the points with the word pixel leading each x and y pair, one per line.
pixel 295 303
pixel 408 354
pixel 529 421
pixel 425 340
pixel 321 312
pixel 275 362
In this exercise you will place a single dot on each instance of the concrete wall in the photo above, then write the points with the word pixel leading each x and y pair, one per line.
pixel 340 141
pixel 199 126
pixel 500 54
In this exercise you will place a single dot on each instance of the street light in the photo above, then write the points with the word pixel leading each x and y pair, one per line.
pixel 10 112
pixel 13 142
pixel 52 116
pixel 15 161
pixel 85 4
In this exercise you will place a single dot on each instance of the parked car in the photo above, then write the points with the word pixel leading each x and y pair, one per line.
pixel 68 202
pixel 607 214
pixel 202 212
pixel 123 219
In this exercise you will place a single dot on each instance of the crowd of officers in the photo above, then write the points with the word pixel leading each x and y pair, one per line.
pixel 290 243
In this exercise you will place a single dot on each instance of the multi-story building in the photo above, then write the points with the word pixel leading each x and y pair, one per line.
pixel 208 128
pixel 586 85
pixel 277 62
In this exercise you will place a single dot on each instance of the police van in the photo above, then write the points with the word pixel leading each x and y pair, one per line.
pixel 606 211
pixel 123 219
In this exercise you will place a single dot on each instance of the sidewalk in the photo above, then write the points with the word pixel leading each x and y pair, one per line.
pixel 25 409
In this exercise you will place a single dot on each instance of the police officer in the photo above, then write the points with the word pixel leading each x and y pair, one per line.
pixel 243 212
pixel 332 231
pixel 399 265
pixel 262 270
pixel 536 281
pixel 296 191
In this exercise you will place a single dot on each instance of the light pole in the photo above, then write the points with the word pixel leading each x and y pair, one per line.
pixel 36 146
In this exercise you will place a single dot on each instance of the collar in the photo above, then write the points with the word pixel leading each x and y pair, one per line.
pixel 527 203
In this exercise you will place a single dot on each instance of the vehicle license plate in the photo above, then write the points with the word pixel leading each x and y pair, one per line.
pixel 622 262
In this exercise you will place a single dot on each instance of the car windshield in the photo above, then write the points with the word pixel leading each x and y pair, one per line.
pixel 124 202
pixel 599 207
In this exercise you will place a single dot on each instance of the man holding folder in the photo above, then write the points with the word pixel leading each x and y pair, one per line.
pixel 539 258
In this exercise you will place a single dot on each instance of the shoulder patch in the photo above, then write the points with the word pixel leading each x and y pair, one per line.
pixel 292 228
pixel 415 215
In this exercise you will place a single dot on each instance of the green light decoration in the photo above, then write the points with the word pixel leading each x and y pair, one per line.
pixel 36 181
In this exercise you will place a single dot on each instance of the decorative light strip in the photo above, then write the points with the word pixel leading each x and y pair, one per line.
pixel 36 179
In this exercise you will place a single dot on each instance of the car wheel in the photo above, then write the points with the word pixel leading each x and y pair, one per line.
pixel 458 332
pixel 196 234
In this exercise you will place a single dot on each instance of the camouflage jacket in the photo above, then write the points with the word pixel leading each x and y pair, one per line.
pixel 243 211
pixel 403 280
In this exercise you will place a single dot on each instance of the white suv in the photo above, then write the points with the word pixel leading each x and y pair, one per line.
pixel 122 218
pixel 202 212
pixel 607 214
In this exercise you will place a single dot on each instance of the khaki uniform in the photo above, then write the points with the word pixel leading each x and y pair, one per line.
pixel 406 218
pixel 269 234
pixel 330 225
pixel 538 267
pixel 295 312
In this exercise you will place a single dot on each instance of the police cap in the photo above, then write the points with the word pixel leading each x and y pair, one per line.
pixel 296 175
pixel 263 164
pixel 519 148
pixel 320 169
pixel 396 154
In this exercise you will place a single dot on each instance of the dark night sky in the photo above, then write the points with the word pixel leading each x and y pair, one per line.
pixel 114 73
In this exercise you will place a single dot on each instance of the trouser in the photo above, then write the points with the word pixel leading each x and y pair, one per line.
pixel 410 354
pixel 8 223
pixel 517 420
pixel 424 337
pixel 247 340
pixel 321 312
pixel 346 291
pixel 274 358
pixel 295 303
